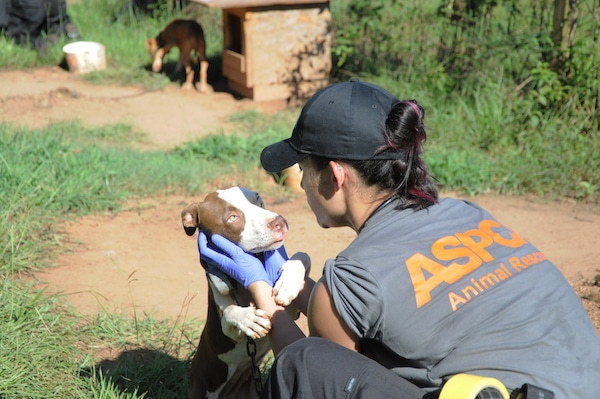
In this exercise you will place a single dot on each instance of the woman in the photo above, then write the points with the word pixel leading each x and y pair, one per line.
pixel 429 288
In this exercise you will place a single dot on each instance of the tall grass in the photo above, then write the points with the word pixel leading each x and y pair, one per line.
pixel 506 118
pixel 34 355
pixel 49 351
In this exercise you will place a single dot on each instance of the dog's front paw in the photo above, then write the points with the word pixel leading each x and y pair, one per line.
pixel 291 280
pixel 238 322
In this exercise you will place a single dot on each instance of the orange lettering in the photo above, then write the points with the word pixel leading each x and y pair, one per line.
pixel 477 246
pixel 488 280
pixel 456 270
pixel 514 241
pixel 516 264
pixel 456 300
pixel 416 265
pixel 466 290
pixel 466 251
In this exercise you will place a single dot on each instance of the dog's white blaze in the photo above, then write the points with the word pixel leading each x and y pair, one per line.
pixel 256 236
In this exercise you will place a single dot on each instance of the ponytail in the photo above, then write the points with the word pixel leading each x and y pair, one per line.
pixel 408 177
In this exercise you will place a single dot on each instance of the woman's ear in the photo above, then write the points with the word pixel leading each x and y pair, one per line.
pixel 338 174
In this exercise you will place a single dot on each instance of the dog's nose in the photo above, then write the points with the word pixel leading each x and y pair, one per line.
pixel 278 224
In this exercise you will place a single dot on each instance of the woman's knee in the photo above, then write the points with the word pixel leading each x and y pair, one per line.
pixel 304 349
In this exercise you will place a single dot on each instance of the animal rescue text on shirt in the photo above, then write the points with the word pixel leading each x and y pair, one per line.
pixel 471 247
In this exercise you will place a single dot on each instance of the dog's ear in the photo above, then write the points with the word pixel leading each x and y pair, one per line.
pixel 190 218
pixel 150 44
pixel 253 197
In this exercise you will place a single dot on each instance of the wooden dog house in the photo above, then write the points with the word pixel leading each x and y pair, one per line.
pixel 275 49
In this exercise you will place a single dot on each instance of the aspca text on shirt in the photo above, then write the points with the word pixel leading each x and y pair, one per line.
pixel 456 256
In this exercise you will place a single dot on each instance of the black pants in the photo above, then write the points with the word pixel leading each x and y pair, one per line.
pixel 320 369
pixel 25 20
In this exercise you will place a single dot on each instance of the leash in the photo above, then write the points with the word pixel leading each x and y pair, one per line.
pixel 251 350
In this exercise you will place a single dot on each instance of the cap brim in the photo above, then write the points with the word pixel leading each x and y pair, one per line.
pixel 280 156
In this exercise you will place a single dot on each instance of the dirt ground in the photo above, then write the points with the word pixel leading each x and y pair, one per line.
pixel 141 259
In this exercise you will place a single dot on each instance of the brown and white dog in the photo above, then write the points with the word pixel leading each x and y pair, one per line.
pixel 221 367
pixel 188 36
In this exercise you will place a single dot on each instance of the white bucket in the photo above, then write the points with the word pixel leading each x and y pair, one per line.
pixel 85 57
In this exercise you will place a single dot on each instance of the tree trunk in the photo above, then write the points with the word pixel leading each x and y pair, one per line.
pixel 566 13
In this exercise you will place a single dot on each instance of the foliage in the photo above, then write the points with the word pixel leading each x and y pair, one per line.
pixel 495 62
pixel 447 49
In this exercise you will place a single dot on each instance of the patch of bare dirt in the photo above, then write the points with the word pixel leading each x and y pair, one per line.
pixel 169 116
pixel 141 259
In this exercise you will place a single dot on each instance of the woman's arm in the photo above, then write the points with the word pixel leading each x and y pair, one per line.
pixel 284 329
pixel 325 322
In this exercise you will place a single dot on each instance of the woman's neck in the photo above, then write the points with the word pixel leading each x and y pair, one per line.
pixel 362 207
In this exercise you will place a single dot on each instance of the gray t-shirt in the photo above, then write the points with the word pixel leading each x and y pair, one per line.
pixel 449 289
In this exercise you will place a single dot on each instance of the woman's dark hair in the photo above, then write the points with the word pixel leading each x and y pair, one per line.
pixel 408 177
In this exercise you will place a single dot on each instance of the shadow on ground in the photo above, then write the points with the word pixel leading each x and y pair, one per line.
pixel 138 371
pixel 175 72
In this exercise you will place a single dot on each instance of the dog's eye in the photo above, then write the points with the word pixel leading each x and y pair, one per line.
pixel 232 218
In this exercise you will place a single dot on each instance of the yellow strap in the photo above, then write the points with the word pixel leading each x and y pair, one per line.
pixel 468 386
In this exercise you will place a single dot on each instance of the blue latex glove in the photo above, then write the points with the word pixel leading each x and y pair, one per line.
pixel 273 262
pixel 235 262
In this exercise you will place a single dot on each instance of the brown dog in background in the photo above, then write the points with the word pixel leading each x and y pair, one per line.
pixel 188 36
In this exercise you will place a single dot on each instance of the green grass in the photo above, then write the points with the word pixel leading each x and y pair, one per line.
pixel 69 170
pixel 47 350
pixel 34 354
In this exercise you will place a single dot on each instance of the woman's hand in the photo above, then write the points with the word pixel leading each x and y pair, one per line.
pixel 240 265
pixel 273 262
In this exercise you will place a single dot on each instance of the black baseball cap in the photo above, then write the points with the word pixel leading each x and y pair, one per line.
pixel 343 121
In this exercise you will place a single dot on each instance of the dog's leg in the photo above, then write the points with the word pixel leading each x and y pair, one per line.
pixel 157 60
pixel 203 78
pixel 237 321
pixel 201 54
pixel 291 280
pixel 189 71
pixel 189 78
